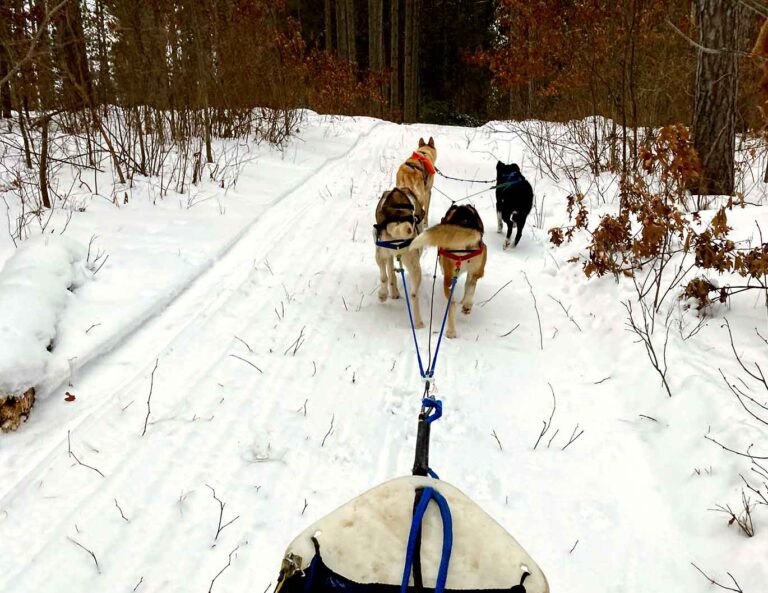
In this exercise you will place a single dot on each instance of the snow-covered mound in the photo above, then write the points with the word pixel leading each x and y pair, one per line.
pixel 35 288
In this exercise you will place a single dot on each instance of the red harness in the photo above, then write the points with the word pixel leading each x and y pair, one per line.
pixel 427 163
pixel 460 258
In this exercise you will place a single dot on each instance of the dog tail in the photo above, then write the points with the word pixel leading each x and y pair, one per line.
pixel 448 236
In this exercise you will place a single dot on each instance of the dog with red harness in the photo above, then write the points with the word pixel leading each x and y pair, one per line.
pixel 417 173
pixel 459 239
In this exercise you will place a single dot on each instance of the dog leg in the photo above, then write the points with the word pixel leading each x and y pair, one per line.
pixel 510 224
pixel 450 331
pixel 413 265
pixel 500 227
pixel 469 294
pixel 394 293
pixel 520 226
pixel 382 261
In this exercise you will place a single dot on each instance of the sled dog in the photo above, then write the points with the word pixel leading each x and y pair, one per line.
pixel 418 173
pixel 514 200
pixel 399 219
pixel 459 237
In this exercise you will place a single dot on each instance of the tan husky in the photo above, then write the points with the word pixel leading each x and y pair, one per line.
pixel 399 219
pixel 418 174
pixel 460 239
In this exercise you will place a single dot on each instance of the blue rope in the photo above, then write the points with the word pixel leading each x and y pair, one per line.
pixel 431 473
pixel 432 404
pixel 428 495
pixel 431 370
pixel 413 326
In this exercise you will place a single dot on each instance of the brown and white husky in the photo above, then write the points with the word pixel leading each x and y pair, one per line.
pixel 417 173
pixel 459 236
pixel 399 218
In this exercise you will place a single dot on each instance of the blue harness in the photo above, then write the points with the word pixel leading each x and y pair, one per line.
pixel 512 178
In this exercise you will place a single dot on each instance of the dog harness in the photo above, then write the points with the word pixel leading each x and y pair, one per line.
pixel 429 168
pixel 511 178
pixel 402 212
pixel 466 216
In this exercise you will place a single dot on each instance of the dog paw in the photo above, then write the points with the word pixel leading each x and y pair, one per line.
pixel 507 244
pixel 383 296
pixel 395 296
pixel 419 324
pixel 499 230
pixel 450 334
pixel 466 309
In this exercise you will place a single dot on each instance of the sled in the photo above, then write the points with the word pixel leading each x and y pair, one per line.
pixel 364 546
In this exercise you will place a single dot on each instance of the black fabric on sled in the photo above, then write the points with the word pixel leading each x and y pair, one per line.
pixel 318 578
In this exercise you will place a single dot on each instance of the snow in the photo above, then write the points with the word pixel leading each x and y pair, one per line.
pixel 279 270
pixel 35 288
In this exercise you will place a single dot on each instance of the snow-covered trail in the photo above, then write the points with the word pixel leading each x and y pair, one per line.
pixel 331 409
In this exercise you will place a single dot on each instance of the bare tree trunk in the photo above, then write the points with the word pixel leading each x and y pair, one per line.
pixel 5 88
pixel 376 38
pixel 351 41
pixel 341 29
pixel 411 61
pixel 328 14
pixel 394 56
pixel 375 34
pixel 44 161
pixel 714 110
pixel 73 59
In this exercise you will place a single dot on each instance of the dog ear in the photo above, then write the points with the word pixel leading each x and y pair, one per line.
pixel 515 167
pixel 421 142
pixel 499 165
pixel 431 142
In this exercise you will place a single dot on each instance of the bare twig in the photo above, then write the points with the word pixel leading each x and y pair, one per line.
pixel 510 331
pixel 149 397
pixel 574 436
pixel 95 560
pixel 121 512
pixel 567 312
pixel 247 361
pixel 488 300
pixel 547 423
pixel 536 308
pixel 73 456
pixel 734 451
pixel 330 430
pixel 245 344
pixel 296 344
pixel 714 582
pixel 90 328
pixel 222 504
pixel 498 442
pixel 574 547
pixel 229 562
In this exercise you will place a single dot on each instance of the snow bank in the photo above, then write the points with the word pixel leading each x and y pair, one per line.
pixel 34 291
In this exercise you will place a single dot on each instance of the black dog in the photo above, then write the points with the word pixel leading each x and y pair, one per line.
pixel 514 199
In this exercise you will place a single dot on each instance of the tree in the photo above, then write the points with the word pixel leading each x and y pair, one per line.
pixel 395 83
pixel 411 61
pixel 717 81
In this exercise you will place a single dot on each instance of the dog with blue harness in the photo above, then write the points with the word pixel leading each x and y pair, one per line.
pixel 399 219
pixel 514 200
